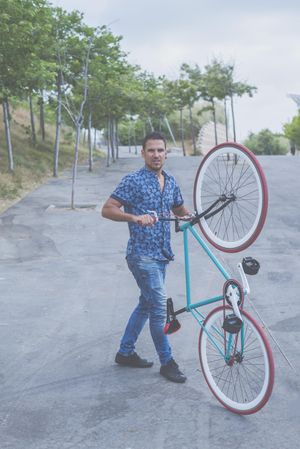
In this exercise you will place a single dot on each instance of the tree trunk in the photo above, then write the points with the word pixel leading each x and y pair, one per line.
pixel 74 177
pixel 58 128
pixel 90 142
pixel 79 122
pixel 112 139
pixel 95 139
pixel 226 118
pixel 170 131
pixel 150 123
pixel 134 139
pixel 84 137
pixel 233 118
pixel 117 138
pixel 182 132
pixel 129 137
pixel 33 134
pixel 108 144
pixel 192 130
pixel 293 148
pixel 215 120
pixel 5 106
pixel 42 116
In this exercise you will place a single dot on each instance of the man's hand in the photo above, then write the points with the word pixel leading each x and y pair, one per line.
pixel 144 220
pixel 180 211
pixel 112 210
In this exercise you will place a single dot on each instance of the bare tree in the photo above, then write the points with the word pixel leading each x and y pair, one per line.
pixel 58 124
pixel 77 116
pixel 90 145
pixel 78 122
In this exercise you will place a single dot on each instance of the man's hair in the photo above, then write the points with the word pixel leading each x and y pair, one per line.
pixel 154 136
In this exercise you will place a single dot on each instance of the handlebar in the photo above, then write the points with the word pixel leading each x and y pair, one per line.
pixel 185 218
pixel 194 218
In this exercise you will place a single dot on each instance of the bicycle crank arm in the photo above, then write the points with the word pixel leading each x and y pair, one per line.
pixel 244 279
pixel 177 312
pixel 234 299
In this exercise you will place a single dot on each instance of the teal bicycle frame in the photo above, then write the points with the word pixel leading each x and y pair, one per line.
pixel 193 308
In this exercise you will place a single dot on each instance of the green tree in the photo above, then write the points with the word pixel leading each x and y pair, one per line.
pixel 216 84
pixel 109 87
pixel 238 89
pixel 292 132
pixel 154 101
pixel 68 51
pixel 181 94
pixel 210 85
pixel 17 18
pixel 191 95
pixel 265 142
pixel 41 70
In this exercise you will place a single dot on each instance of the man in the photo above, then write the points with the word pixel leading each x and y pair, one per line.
pixel 148 251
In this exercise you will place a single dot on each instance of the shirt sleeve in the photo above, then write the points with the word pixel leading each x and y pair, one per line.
pixel 177 197
pixel 125 192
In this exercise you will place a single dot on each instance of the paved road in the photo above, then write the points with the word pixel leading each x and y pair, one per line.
pixel 65 298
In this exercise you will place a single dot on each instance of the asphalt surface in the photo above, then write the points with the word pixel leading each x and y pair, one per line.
pixel 66 295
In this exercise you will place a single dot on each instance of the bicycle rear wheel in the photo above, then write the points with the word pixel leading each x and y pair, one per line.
pixel 243 383
pixel 231 173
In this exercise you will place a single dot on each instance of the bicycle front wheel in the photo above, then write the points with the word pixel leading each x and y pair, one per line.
pixel 231 174
pixel 242 380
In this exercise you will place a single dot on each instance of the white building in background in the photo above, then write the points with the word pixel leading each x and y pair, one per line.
pixel 206 137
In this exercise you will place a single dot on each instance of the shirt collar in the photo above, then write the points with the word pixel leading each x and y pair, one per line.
pixel 152 173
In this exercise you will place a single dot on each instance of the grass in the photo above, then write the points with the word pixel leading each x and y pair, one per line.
pixel 33 165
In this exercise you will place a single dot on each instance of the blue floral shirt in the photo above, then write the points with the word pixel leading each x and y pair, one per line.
pixel 140 192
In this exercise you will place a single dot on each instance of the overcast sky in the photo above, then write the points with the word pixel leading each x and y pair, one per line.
pixel 262 37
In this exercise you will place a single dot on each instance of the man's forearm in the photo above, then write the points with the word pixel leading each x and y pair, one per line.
pixel 180 211
pixel 113 212
pixel 116 214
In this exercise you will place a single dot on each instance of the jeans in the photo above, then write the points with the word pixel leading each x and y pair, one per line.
pixel 150 276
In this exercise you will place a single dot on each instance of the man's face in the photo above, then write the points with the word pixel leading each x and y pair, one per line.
pixel 154 154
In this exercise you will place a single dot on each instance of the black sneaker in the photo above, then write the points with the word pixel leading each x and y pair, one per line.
pixel 172 372
pixel 132 360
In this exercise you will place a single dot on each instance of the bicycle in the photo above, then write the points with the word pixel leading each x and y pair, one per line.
pixel 230 200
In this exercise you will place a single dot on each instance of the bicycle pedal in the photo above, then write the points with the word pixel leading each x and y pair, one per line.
pixel 250 266
pixel 171 327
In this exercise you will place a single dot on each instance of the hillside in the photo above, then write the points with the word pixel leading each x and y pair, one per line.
pixel 33 164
